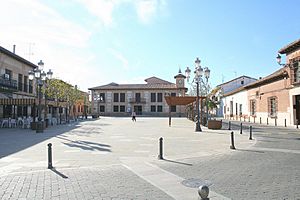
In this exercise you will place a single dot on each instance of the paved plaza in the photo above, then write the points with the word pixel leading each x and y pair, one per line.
pixel 115 158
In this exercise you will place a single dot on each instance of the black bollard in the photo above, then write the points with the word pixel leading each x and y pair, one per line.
pixel 297 123
pixel 229 125
pixel 160 156
pixel 267 121
pixel 241 130
pixel 284 122
pixel 275 121
pixel 232 141
pixel 50 156
pixel 260 120
pixel 250 137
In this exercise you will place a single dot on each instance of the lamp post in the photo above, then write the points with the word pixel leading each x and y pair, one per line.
pixel 207 74
pixel 197 78
pixel 40 77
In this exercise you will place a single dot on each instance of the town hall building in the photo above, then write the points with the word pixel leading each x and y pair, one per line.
pixel 146 99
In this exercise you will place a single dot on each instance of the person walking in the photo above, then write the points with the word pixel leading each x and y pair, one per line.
pixel 133 115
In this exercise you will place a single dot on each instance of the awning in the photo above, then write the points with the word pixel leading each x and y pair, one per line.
pixel 7 101
pixel 173 101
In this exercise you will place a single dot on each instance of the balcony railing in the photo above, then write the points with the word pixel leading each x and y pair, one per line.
pixel 8 83
pixel 137 100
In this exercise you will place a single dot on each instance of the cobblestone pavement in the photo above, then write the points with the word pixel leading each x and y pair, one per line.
pixel 267 170
pixel 110 182
pixel 113 158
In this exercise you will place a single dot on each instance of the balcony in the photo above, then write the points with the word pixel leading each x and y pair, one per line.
pixel 8 83
pixel 137 100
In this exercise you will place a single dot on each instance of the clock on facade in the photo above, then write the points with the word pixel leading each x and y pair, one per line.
pixel 180 81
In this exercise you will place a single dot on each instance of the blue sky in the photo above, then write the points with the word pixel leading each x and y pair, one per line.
pixel 95 42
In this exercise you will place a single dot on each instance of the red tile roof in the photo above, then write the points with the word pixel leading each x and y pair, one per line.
pixel 290 47
pixel 277 75
pixel 152 83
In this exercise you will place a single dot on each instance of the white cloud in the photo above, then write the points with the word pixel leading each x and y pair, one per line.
pixel 147 10
pixel 60 43
pixel 103 9
pixel 119 56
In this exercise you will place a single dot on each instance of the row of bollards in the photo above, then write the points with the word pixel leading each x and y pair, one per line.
pixel 241 131
pixel 160 155
pixel 50 156
pixel 260 122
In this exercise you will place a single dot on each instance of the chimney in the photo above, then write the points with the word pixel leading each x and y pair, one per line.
pixel 14 49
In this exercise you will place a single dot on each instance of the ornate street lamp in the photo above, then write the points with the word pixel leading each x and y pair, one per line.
pixel 207 74
pixel 197 78
pixel 40 77
pixel 278 59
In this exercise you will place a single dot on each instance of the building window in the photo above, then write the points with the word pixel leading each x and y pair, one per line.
pixel 20 80
pixel 159 97
pixel 116 97
pixel 173 108
pixel 272 106
pixel 122 97
pixel 8 74
pixel 30 86
pixel 102 108
pixel 137 97
pixel 153 97
pixel 159 108
pixel 153 108
pixel 102 97
pixel 252 107
pixel 122 108
pixel 25 84
pixel 236 109
pixel 231 108
pixel 242 82
pixel 173 94
pixel 78 108
pixel 116 108
pixel 296 71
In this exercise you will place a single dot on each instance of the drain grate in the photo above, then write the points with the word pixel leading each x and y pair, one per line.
pixel 195 183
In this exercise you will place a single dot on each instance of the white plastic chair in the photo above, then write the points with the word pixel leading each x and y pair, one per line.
pixel 4 123
pixel 12 123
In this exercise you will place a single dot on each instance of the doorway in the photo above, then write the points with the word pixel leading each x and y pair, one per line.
pixel 138 110
pixel 297 107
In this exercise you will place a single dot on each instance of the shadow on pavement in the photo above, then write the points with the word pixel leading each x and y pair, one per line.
pixel 85 145
pixel 182 163
pixel 249 150
pixel 13 140
pixel 278 138
pixel 58 173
